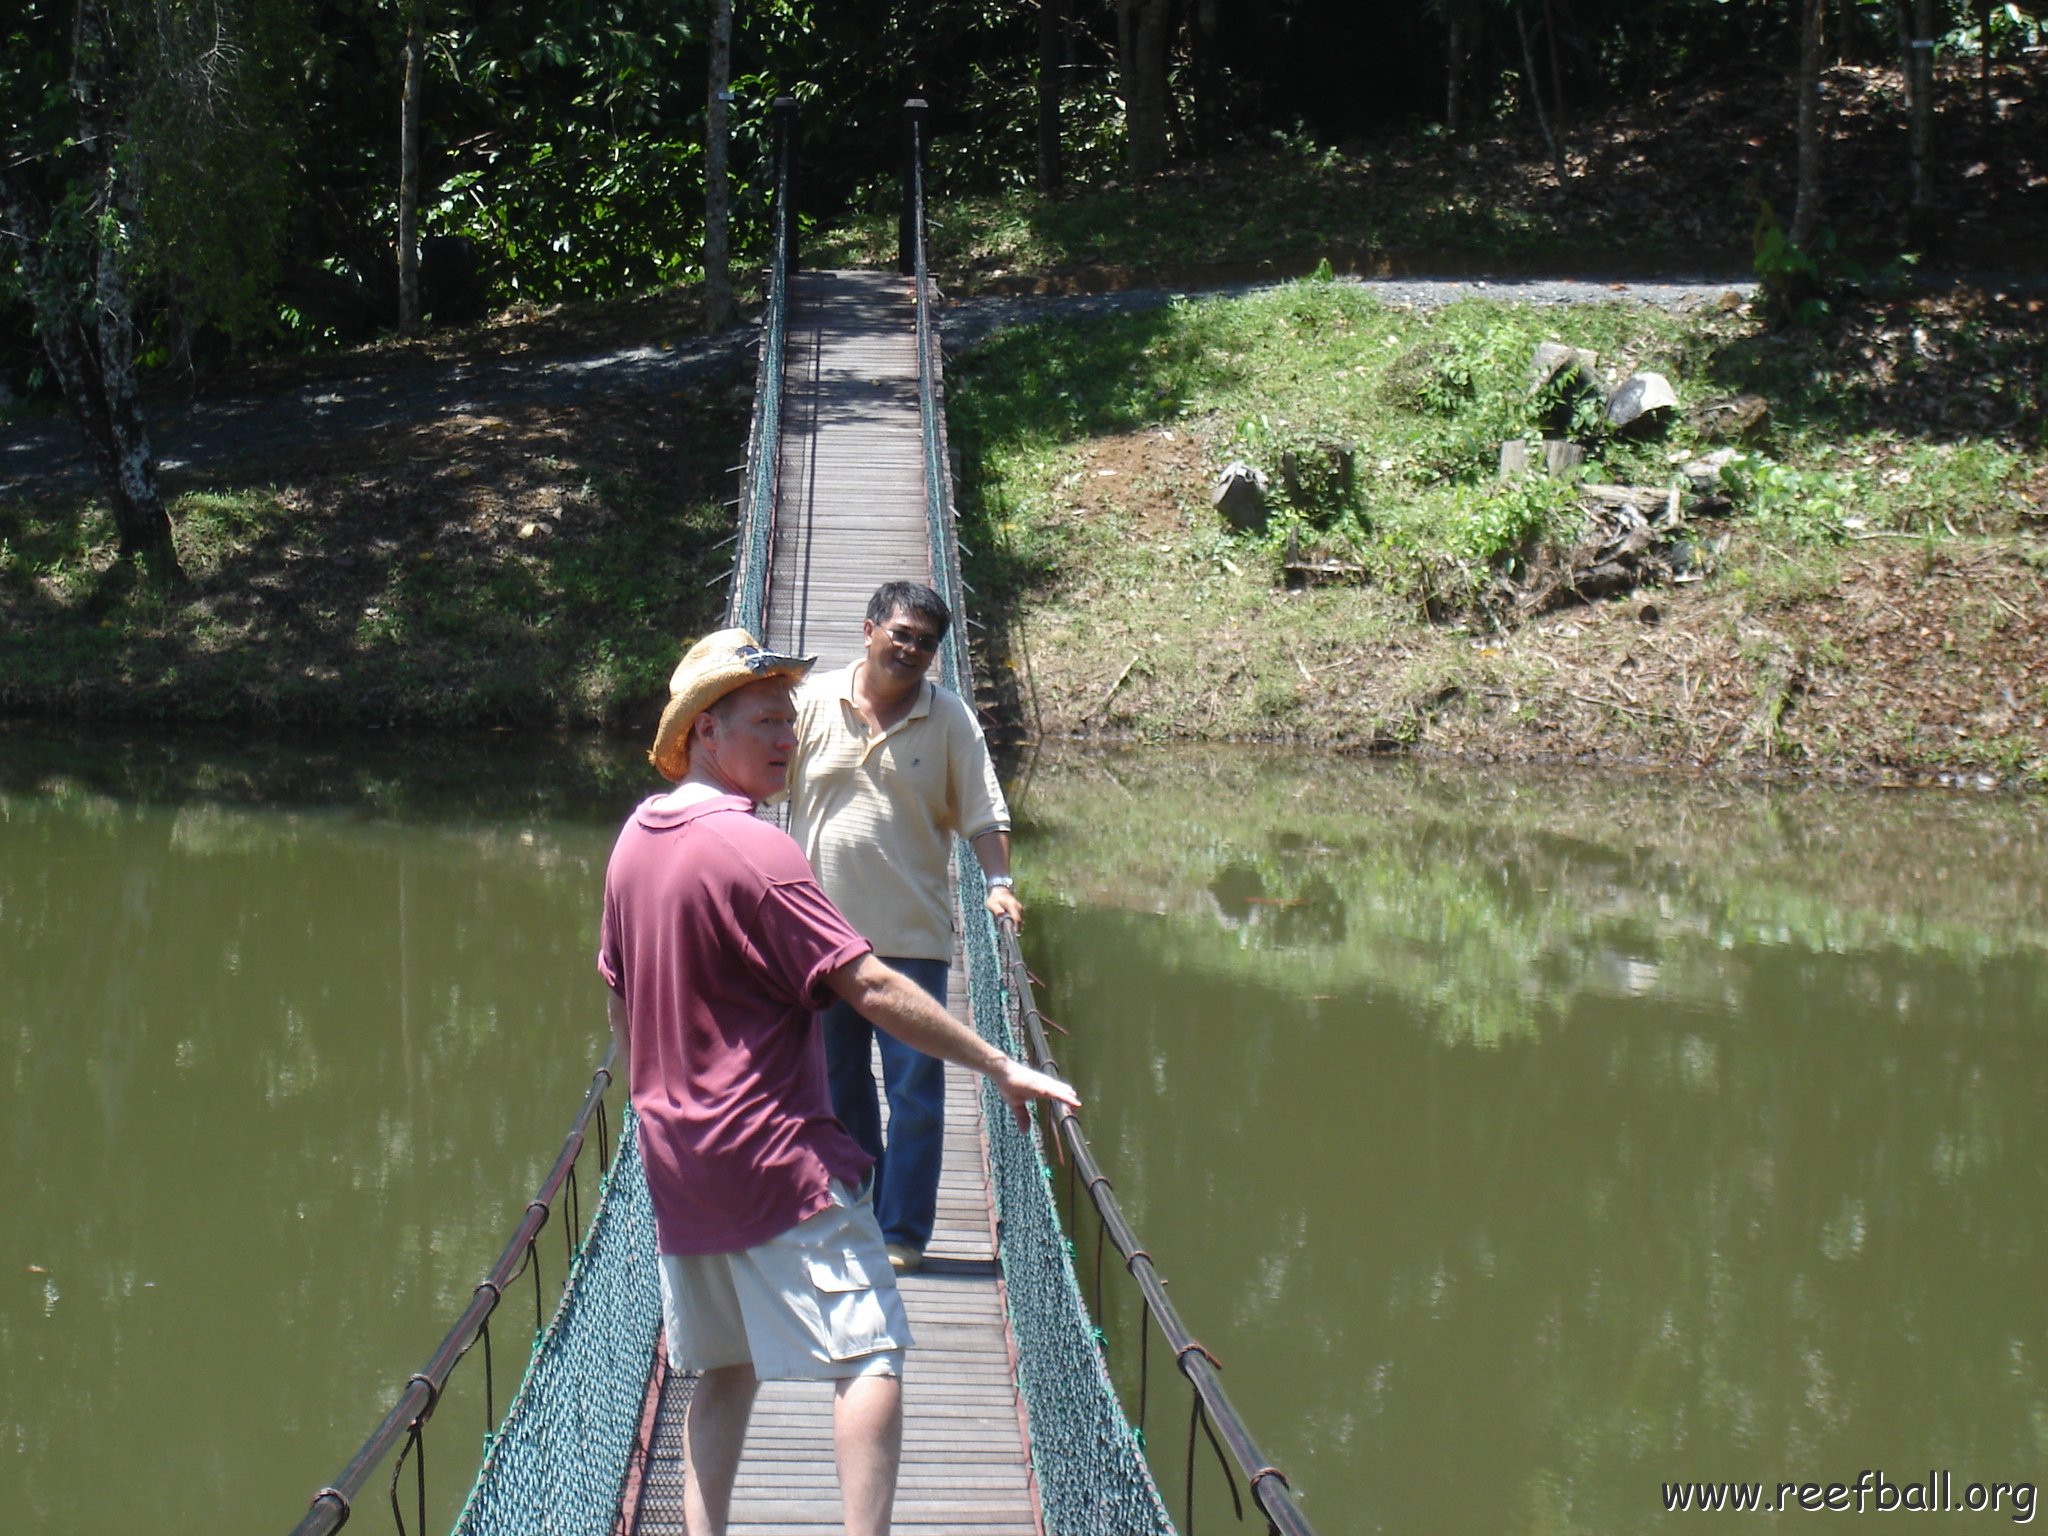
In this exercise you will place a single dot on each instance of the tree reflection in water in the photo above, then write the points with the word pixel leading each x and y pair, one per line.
pixel 1523 1142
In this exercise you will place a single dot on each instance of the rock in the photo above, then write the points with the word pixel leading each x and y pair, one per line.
pixel 1514 458
pixel 1642 402
pixel 1240 495
pixel 1703 475
pixel 1732 420
pixel 1554 358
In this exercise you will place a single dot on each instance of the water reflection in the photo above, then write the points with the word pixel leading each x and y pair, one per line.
pixel 1524 1143
pixel 280 1074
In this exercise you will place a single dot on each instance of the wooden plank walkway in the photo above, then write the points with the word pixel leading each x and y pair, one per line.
pixel 851 515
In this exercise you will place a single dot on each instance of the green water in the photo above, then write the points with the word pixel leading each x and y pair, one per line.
pixel 279 1077
pixel 1518 1144
pixel 1521 1145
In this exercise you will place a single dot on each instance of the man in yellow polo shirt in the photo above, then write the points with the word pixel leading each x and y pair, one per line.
pixel 889 767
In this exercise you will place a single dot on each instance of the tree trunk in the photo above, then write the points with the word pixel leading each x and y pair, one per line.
pixel 1142 38
pixel 1984 61
pixel 411 91
pixel 1904 21
pixel 719 310
pixel 83 315
pixel 139 511
pixel 1052 16
pixel 1205 27
pixel 1920 227
pixel 1556 72
pixel 1806 197
pixel 1536 96
pixel 1454 67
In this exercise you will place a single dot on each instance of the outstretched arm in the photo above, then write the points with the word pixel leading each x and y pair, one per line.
pixel 892 1002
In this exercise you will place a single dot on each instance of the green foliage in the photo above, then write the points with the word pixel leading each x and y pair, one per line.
pixel 993 147
pixel 1802 287
pixel 1810 506
pixel 1378 429
pixel 157 147
pixel 1498 521
pixel 1794 281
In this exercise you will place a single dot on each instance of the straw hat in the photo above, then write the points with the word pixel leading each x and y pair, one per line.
pixel 723 660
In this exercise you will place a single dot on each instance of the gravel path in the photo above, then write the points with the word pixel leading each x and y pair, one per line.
pixel 211 432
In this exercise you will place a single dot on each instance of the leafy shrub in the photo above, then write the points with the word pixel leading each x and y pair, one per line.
pixel 1809 505
pixel 1496 522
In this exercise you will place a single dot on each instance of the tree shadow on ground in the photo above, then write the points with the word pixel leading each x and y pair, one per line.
pixel 524 566
pixel 1939 368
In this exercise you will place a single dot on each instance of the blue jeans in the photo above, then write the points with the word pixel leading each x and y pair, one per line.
pixel 907 1170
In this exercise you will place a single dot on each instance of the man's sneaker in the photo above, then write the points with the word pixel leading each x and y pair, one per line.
pixel 904 1259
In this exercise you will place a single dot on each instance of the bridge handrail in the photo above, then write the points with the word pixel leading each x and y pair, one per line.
pixel 746 600
pixel 1088 1471
pixel 1268 1483
pixel 931 406
pixel 407 1420
pixel 1213 1411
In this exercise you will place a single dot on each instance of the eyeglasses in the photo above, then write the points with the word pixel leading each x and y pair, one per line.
pixel 913 639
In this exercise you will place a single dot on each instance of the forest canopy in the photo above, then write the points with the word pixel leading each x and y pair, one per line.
pixel 561 145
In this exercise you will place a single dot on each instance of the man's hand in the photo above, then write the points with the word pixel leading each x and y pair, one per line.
pixel 891 1001
pixel 1021 1085
pixel 1003 902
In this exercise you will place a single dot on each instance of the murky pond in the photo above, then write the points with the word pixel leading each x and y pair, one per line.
pixel 1519 1144
pixel 289 1042
pixel 1523 1144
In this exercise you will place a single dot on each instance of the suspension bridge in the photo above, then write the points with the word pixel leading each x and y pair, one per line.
pixel 1013 1425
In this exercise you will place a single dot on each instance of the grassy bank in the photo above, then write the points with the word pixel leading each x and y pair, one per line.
pixel 1866 591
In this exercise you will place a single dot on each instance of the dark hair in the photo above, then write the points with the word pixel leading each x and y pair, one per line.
pixel 915 599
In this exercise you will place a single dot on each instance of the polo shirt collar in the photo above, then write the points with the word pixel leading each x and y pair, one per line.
pixel 919 706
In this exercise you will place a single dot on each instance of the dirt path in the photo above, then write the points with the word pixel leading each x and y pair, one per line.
pixel 207 433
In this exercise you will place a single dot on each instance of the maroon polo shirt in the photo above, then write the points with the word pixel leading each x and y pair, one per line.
pixel 719 941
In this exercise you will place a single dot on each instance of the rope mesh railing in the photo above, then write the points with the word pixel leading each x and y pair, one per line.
pixel 1089 1466
pixel 403 1429
pixel 1099 1480
pixel 558 1465
pixel 1211 1412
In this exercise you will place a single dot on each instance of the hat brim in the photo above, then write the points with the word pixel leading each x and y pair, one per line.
pixel 695 689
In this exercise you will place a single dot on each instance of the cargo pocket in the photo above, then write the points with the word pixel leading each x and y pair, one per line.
pixel 855 1320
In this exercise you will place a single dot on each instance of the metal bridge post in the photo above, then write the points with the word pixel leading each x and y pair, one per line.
pixel 916 160
pixel 785 169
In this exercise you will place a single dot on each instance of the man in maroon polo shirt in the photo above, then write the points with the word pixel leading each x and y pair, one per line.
pixel 719 949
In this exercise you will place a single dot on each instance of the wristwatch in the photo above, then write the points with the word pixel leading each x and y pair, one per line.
pixel 1003 881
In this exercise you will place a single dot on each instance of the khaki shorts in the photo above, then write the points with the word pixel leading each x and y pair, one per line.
pixel 817 1302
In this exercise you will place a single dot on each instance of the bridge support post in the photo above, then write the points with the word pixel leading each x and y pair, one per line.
pixel 785 171
pixel 916 161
